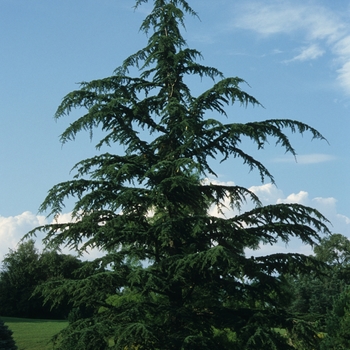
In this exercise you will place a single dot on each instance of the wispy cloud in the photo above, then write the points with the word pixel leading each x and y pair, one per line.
pixel 275 17
pixel 322 30
pixel 313 158
pixel 308 53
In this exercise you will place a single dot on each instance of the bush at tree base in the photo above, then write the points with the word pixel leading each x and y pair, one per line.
pixel 6 339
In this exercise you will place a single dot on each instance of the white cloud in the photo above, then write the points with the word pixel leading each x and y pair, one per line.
pixel 344 219
pixel 342 47
pixel 62 218
pixel 270 194
pixel 275 17
pixel 208 181
pixel 13 228
pixel 267 19
pixel 313 158
pixel 322 29
pixel 327 206
pixel 90 253
pixel 300 198
pixel 344 76
pixel 309 53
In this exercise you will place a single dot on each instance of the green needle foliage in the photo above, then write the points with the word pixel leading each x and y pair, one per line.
pixel 173 276
pixel 6 339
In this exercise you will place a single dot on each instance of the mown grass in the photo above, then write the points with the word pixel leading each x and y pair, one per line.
pixel 31 334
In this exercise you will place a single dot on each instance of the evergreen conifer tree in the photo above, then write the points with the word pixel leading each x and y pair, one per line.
pixel 6 340
pixel 173 276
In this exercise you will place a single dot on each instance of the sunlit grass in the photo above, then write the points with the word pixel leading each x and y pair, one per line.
pixel 32 334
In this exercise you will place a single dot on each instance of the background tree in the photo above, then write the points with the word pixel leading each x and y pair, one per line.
pixel 6 339
pixel 23 270
pixel 173 276
pixel 327 297
pixel 338 323
pixel 18 277
pixel 334 250
pixel 314 294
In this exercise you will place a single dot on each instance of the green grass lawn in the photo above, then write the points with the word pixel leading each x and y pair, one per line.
pixel 31 334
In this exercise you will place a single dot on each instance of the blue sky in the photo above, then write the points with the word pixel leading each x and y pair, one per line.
pixel 295 55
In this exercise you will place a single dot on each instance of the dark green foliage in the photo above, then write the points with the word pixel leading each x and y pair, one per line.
pixel 6 340
pixel 78 313
pixel 335 252
pixel 18 278
pixel 88 334
pixel 23 270
pixel 314 294
pixel 173 276
pixel 323 299
pixel 338 324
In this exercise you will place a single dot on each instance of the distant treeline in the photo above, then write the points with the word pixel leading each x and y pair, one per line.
pixel 322 300
pixel 23 270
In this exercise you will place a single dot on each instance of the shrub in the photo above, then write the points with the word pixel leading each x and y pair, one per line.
pixel 6 340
